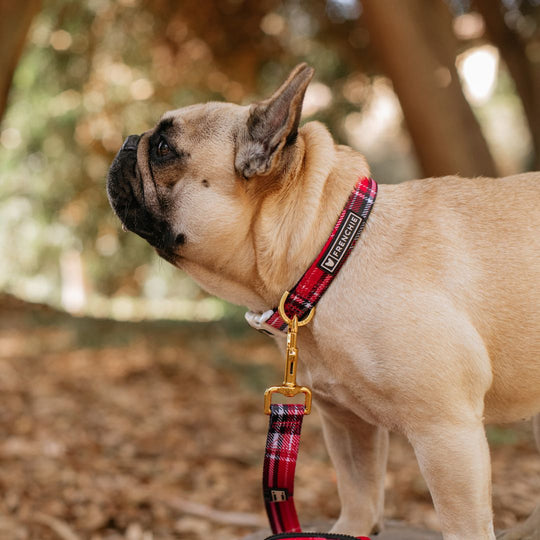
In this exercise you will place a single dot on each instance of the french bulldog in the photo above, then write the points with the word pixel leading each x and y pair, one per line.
pixel 432 327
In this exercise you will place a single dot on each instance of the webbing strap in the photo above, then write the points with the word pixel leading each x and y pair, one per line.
pixel 312 285
pixel 315 536
pixel 280 458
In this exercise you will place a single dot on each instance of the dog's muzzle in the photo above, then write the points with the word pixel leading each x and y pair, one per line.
pixel 131 143
pixel 122 175
pixel 126 195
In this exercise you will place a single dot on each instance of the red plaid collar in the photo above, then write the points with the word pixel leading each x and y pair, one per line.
pixel 313 284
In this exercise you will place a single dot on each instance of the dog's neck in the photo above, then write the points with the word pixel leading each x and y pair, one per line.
pixel 319 180
pixel 289 225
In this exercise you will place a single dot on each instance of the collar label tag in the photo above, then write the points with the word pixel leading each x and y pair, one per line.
pixel 318 277
pixel 339 246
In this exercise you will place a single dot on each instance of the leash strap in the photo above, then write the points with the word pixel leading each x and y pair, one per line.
pixel 279 465
pixel 285 424
pixel 315 536
pixel 280 457
pixel 312 285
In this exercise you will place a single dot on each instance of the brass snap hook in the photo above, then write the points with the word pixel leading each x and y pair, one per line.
pixel 289 387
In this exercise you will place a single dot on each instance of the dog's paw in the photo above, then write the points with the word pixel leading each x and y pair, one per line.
pixel 346 526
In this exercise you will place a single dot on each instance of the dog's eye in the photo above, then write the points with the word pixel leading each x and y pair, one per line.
pixel 163 148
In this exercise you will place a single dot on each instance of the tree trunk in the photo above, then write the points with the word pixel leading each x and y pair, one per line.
pixel 415 43
pixel 526 76
pixel 15 19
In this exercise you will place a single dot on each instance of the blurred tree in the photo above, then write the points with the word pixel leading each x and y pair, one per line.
pixel 503 24
pixel 217 44
pixel 96 71
pixel 418 49
pixel 15 20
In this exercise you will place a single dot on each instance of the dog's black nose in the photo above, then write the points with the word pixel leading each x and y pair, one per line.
pixel 131 142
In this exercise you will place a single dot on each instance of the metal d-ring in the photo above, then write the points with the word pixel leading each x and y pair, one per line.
pixel 281 309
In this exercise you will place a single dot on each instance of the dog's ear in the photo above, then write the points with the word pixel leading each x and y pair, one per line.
pixel 271 125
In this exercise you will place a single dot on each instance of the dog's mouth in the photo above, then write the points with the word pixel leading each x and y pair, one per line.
pixel 126 194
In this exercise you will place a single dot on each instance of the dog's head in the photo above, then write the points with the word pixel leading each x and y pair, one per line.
pixel 189 185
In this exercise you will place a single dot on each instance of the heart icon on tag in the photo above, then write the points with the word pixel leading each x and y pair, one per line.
pixel 329 262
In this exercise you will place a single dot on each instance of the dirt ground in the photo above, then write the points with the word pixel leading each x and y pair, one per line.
pixel 154 430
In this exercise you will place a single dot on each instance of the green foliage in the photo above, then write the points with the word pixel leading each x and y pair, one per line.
pixel 95 71
pixel 72 101
pixel 92 73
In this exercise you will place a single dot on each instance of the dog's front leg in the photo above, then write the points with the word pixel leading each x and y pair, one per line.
pixel 454 458
pixel 359 452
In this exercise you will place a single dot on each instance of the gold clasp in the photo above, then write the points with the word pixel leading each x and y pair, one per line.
pixel 289 387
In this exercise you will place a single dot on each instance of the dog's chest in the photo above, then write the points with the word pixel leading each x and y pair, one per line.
pixel 341 383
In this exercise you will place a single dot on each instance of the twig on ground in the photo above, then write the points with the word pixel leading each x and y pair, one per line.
pixel 60 528
pixel 243 519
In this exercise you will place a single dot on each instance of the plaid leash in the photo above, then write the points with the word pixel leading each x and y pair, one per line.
pixel 285 424
pixel 278 475
pixel 312 285
pixel 315 536
pixel 280 458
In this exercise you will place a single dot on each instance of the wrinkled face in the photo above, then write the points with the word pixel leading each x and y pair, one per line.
pixel 191 185
pixel 176 185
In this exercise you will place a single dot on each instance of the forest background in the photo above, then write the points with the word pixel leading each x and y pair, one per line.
pixel 421 87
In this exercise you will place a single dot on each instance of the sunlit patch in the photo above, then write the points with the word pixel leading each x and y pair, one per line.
pixel 469 26
pixel 343 10
pixel 356 88
pixel 318 97
pixel 141 89
pixel 118 73
pixel 379 120
pixel 73 288
pixel 10 138
pixel 478 69
pixel 61 40
pixel 64 102
pixel 273 24
pixel 107 244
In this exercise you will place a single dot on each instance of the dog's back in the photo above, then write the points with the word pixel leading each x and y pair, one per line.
pixel 478 240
